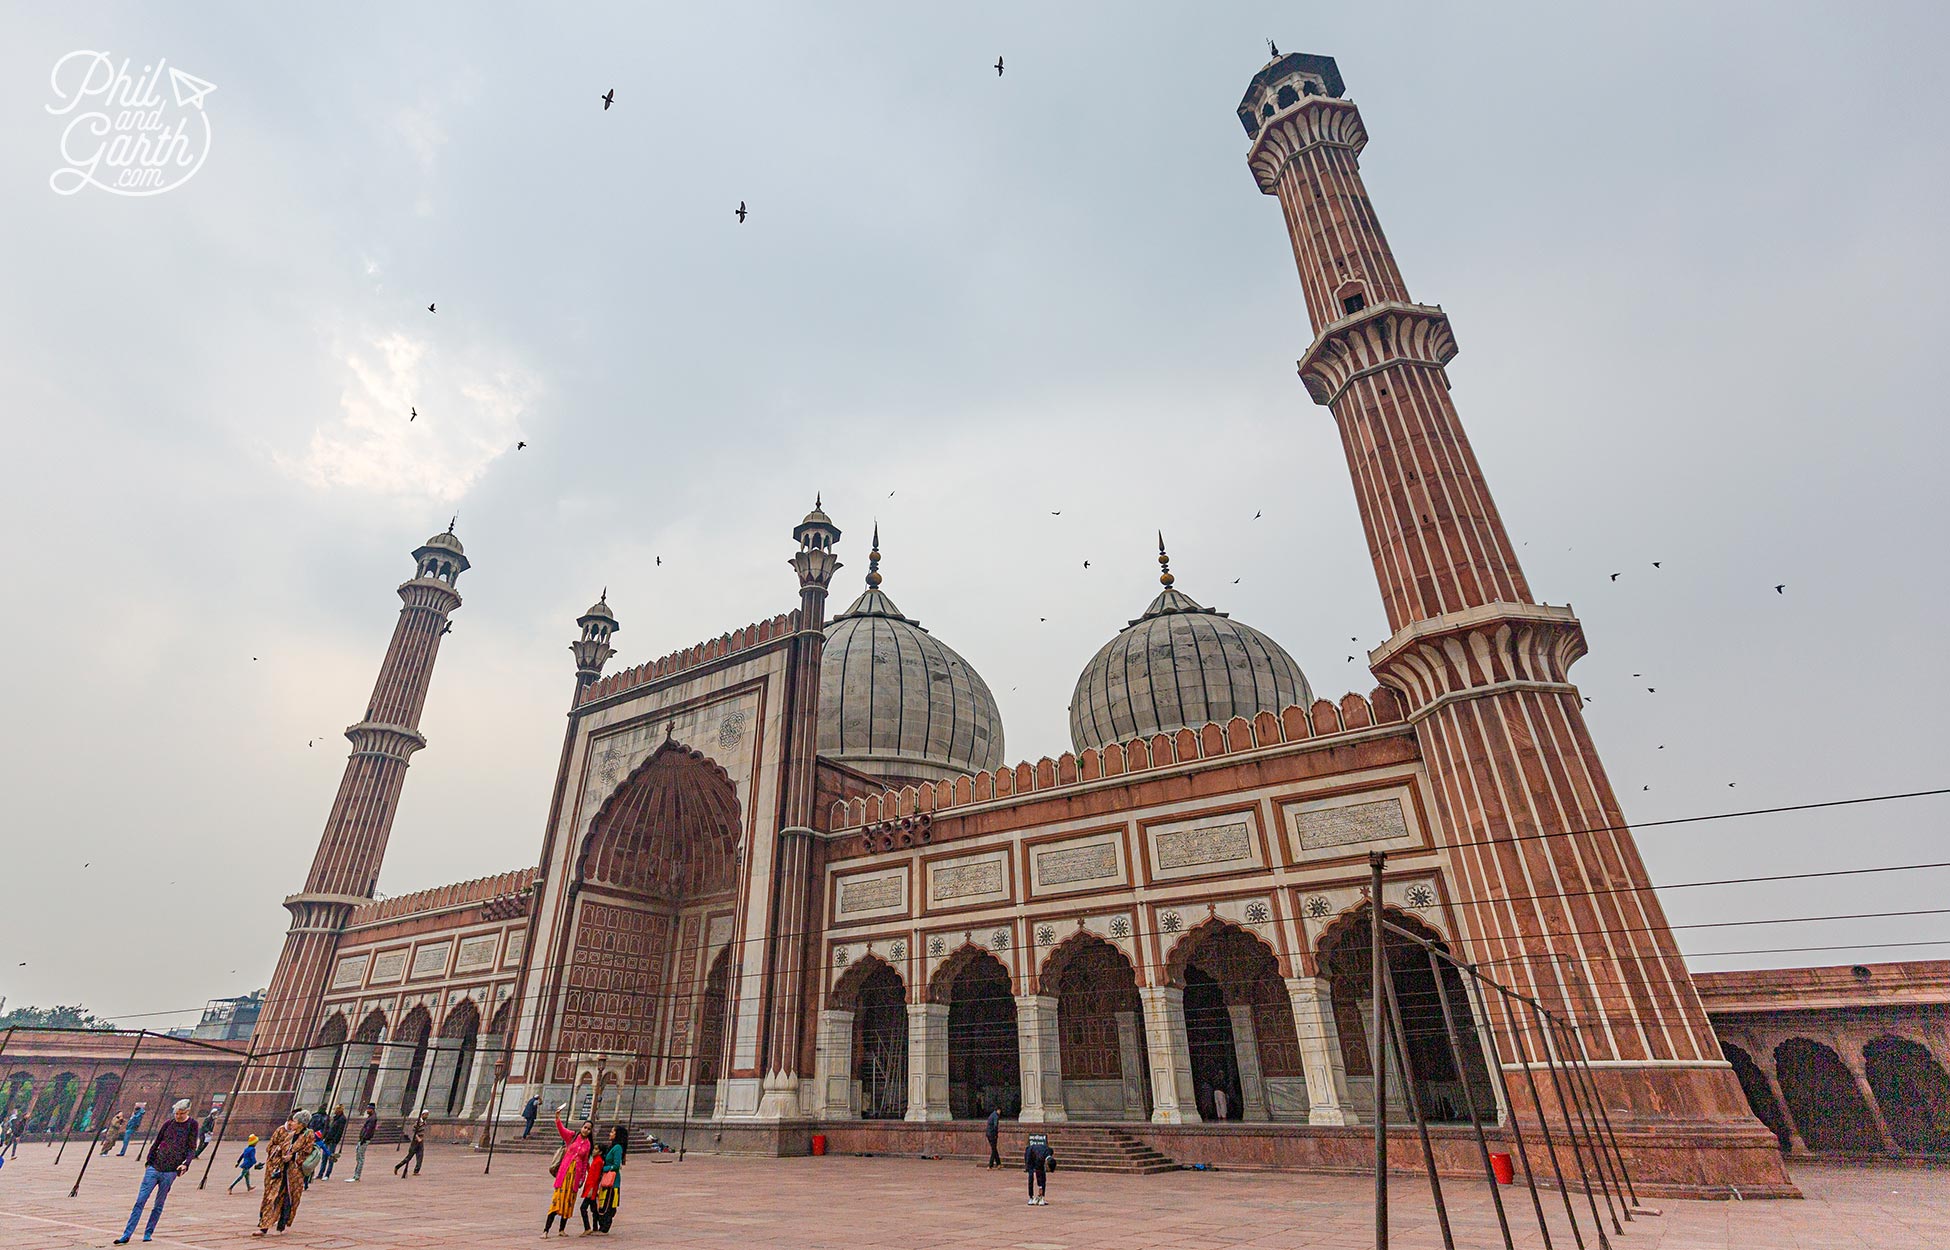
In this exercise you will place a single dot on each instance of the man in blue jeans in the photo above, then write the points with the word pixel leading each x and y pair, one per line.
pixel 135 1122
pixel 169 1157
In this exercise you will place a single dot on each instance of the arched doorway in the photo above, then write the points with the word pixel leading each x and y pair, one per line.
pixel 1823 1098
pixel 983 1069
pixel 459 1038
pixel 50 1115
pixel 710 1034
pixel 1760 1094
pixel 660 859
pixel 20 1094
pixel 1913 1092
pixel 99 1103
pixel 1100 1030
pixel 410 1047
pixel 359 1072
pixel 319 1070
pixel 874 992
pixel 1239 1028
pixel 1444 1085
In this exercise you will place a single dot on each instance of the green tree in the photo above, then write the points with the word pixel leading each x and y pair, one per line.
pixel 58 1017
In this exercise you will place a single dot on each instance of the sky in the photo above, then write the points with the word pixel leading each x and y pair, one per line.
pixel 1689 253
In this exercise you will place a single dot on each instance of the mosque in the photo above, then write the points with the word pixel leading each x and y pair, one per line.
pixel 792 883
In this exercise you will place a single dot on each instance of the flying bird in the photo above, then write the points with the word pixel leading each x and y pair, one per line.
pixel 998 67
pixel 890 494
pixel 447 629
pixel 1350 659
pixel 519 444
pixel 741 211
pixel 1235 581
pixel 1256 516
pixel 1086 564
pixel 412 415
pixel 1614 577
pixel 1042 618
pixel 1058 512
pixel 608 98
pixel 1655 564
pixel 1781 589
pixel 429 307
pixel 1650 690
pixel 660 561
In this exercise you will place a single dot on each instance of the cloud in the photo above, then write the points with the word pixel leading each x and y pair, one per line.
pixel 469 416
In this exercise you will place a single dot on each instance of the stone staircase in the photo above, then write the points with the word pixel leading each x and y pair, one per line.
pixel 1096 1148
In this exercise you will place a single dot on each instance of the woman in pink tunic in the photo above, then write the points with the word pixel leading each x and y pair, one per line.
pixel 569 1174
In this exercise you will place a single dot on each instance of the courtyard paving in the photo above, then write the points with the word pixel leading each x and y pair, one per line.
pixel 840 1203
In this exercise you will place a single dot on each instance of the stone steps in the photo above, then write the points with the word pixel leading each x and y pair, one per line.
pixel 1081 1148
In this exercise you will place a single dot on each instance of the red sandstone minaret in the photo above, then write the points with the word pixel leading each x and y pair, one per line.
pixel 353 845
pixel 1557 901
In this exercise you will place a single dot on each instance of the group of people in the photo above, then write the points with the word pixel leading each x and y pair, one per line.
pixel 1038 1160
pixel 582 1169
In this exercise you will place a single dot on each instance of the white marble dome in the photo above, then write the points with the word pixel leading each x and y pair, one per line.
pixel 1180 666
pixel 898 703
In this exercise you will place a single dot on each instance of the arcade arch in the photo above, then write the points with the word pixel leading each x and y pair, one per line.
pixel 984 1073
pixel 1100 1030
pixel 1822 1096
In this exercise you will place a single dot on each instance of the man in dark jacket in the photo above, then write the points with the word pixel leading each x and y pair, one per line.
pixel 994 1131
pixel 169 1157
pixel 319 1119
pixel 366 1130
pixel 529 1110
pixel 334 1134
pixel 1039 1161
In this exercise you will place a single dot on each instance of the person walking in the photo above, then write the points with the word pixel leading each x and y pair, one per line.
pixel 416 1147
pixel 246 1162
pixel 994 1131
pixel 284 1174
pixel 367 1127
pixel 529 1110
pixel 128 1130
pixel 571 1164
pixel 110 1131
pixel 206 1131
pixel 169 1157
pixel 609 1191
pixel 1038 1160
pixel 334 1138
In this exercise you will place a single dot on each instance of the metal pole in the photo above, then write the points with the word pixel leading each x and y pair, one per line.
pixel 229 1106
pixel 1377 1049
pixel 1503 1083
pixel 1589 1123
pixel 121 1084
pixel 1415 1104
pixel 74 1113
pixel 1469 1097
pixel 690 1091
pixel 1611 1137
pixel 1570 1128
pixel 1543 1121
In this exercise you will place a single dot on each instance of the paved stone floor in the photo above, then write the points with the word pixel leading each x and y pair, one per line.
pixel 865 1204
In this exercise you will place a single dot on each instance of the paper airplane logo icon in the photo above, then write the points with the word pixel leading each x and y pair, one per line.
pixel 190 89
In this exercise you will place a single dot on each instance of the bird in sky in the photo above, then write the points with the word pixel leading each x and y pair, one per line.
pixel 1781 589
pixel 1350 659
pixel 890 494
pixel 1042 618
pixel 412 415
pixel 1662 746
pixel 741 211
pixel 1086 564
pixel 1256 516
pixel 312 743
pixel 1732 784
pixel 1650 690
pixel 998 67
pixel 447 629
pixel 519 444
pixel 660 561
pixel 1614 577
pixel 1235 581
pixel 1058 512
pixel 1655 564
pixel 608 98
pixel 429 307
pixel 253 659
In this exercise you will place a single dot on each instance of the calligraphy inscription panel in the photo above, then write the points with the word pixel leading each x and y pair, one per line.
pixel 1077 863
pixel 872 894
pixel 1350 825
pixel 1214 844
pixel 955 881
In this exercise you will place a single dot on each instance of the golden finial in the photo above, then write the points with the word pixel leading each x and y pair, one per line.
pixel 1165 578
pixel 873 560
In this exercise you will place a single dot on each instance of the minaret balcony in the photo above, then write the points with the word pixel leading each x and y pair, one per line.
pixel 1377 337
pixel 1316 121
pixel 1480 651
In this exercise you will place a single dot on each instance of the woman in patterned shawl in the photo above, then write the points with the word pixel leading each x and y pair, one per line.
pixel 284 1174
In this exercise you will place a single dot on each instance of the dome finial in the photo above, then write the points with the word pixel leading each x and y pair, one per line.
pixel 1165 578
pixel 453 521
pixel 873 559
pixel 604 597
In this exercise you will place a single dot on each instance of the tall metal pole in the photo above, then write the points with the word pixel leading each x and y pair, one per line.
pixel 1589 1122
pixel 1543 1121
pixel 229 1105
pixel 1415 1107
pixel 1377 1048
pixel 1570 1127
pixel 1469 1097
pixel 1611 1137
pixel 120 1085
pixel 494 1109
pixel 1473 989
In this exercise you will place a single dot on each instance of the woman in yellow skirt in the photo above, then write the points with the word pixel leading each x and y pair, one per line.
pixel 576 1149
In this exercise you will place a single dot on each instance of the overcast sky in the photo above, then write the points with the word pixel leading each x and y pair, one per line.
pixel 1690 252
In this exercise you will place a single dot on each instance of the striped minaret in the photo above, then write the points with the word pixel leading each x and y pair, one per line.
pixel 346 867
pixel 1556 900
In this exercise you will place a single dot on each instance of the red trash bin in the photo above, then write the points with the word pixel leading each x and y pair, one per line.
pixel 819 1144
pixel 1499 1164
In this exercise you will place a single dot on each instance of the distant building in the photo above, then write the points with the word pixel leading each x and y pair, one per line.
pixel 228 1019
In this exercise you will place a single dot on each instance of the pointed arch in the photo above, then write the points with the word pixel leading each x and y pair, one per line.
pixel 1760 1093
pixel 1822 1097
pixel 332 1031
pixel 983 1066
pixel 876 993
pixel 1912 1090
pixel 669 831
pixel 845 995
pixel 1100 1028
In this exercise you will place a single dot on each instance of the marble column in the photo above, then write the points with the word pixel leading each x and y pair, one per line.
pixel 1320 1050
pixel 927 1061
pixel 1130 1063
pixel 1039 1060
pixel 1173 1097
pixel 837 1097
pixel 1245 1049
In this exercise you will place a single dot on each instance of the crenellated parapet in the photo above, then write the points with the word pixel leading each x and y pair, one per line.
pixel 1325 719
pixel 512 888
pixel 1479 651
pixel 1373 339
pixel 1315 121
pixel 757 634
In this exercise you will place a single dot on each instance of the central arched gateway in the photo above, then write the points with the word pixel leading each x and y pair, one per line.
pixel 983 1065
pixel 646 977
pixel 1100 1030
